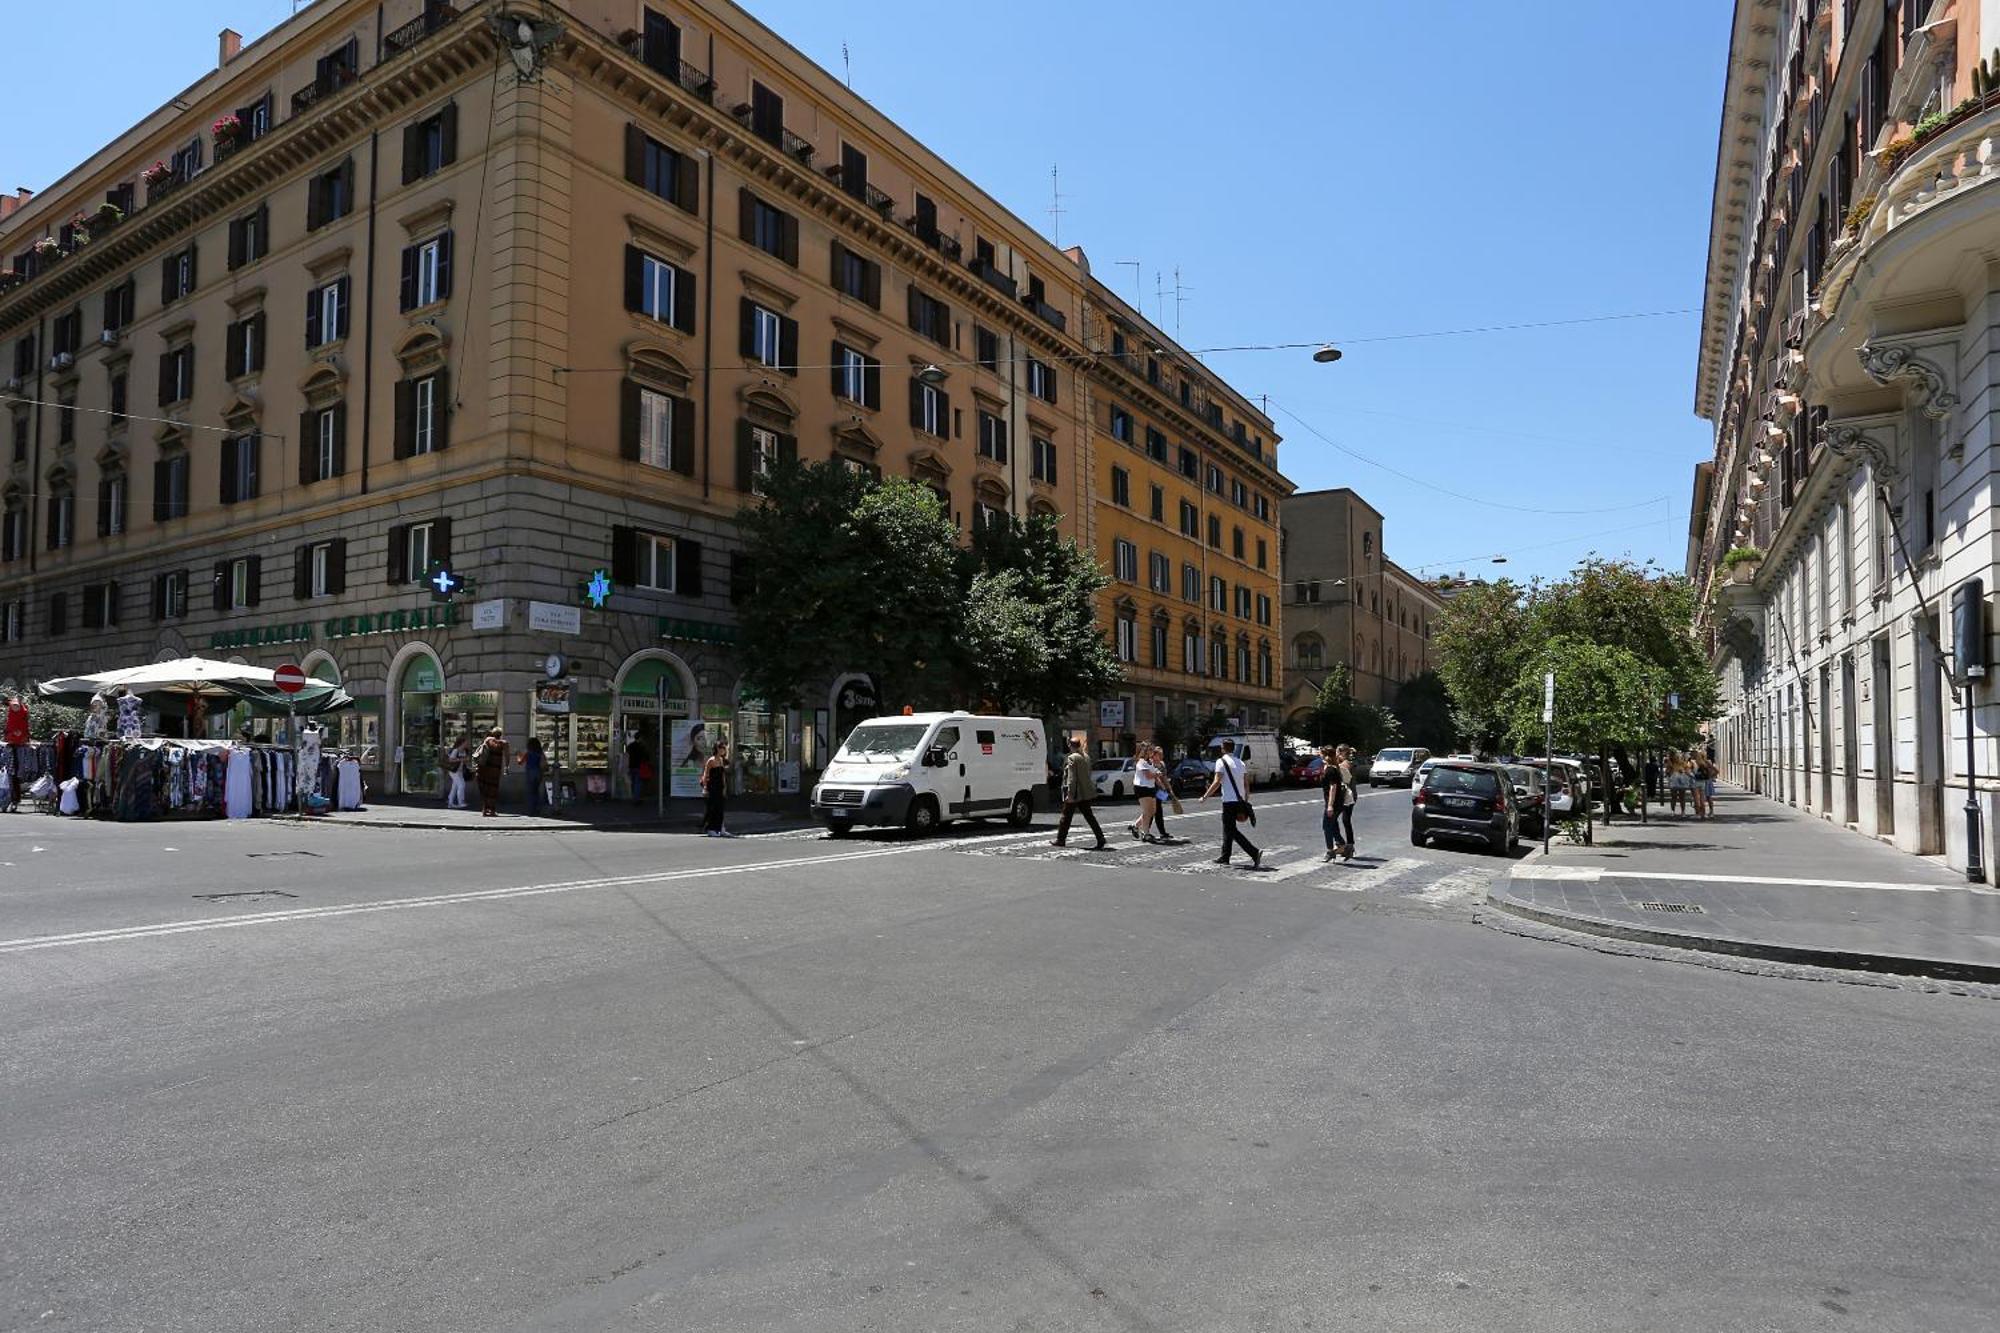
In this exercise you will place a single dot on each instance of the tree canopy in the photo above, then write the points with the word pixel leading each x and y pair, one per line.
pixel 1337 717
pixel 1423 708
pixel 850 573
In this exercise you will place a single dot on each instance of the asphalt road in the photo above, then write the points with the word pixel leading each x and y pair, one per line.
pixel 562 1081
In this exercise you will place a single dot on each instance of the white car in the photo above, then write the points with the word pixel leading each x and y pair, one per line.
pixel 1115 778
pixel 1422 771
pixel 1398 767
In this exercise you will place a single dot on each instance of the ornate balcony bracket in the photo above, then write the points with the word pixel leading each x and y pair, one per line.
pixel 1856 445
pixel 1889 364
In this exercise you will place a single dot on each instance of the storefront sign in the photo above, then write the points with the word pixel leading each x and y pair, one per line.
pixel 554 696
pixel 1111 712
pixel 554 619
pixel 640 703
pixel 437 616
pixel 696 631
pixel 473 701
pixel 490 615
pixel 261 636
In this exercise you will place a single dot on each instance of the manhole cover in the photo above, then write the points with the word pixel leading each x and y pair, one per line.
pixel 252 896
pixel 257 856
pixel 1671 907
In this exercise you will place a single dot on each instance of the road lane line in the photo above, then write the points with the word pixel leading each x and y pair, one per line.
pixel 30 943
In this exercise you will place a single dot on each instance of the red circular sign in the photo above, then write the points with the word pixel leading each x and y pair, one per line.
pixel 289 678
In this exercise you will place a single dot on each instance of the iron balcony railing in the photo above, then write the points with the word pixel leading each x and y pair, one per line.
pixel 435 16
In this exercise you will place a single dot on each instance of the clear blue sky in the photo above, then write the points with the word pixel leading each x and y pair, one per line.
pixel 1316 168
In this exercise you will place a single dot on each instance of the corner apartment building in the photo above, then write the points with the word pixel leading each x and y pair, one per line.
pixel 1848 364
pixel 528 292
pixel 1348 604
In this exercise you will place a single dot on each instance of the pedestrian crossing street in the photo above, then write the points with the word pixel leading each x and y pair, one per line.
pixel 1440 884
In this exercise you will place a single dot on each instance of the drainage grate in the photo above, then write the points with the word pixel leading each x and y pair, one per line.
pixel 255 856
pixel 1671 907
pixel 252 896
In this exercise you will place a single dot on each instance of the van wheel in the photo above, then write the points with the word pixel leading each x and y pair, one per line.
pixel 1022 812
pixel 923 816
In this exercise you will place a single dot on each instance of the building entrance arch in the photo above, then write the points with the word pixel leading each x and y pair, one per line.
pixel 415 704
pixel 652 690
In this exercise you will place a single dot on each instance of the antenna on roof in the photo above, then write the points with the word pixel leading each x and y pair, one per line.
pixel 1138 281
pixel 1056 210
pixel 1180 294
pixel 846 68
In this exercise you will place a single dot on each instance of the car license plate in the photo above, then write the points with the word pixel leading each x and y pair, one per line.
pixel 1460 802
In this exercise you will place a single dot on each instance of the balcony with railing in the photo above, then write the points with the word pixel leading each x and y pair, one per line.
pixel 984 269
pixel 794 147
pixel 326 85
pixel 434 17
pixel 1047 313
pixel 695 80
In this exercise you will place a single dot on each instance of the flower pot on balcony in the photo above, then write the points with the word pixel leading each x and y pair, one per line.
pixel 1743 571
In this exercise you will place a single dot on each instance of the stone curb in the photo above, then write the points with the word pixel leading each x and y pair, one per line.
pixel 1941 969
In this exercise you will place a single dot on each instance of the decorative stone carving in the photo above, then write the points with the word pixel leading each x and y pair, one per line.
pixel 1886 365
pixel 1857 445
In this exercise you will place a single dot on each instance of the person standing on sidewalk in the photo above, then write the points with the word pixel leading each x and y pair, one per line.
pixel 17 744
pixel 1704 785
pixel 1333 800
pixel 531 762
pixel 489 765
pixel 1077 792
pixel 715 791
pixel 455 761
pixel 1163 795
pixel 1233 783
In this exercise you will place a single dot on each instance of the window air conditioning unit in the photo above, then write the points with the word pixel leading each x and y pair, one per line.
pixel 61 361
pixel 109 337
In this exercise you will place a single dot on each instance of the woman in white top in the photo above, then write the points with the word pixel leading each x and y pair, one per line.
pixel 1145 780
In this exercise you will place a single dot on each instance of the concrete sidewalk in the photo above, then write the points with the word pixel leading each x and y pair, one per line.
pixel 750 815
pixel 1761 880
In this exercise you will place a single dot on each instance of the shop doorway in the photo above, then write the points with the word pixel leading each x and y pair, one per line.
pixel 420 709
pixel 651 693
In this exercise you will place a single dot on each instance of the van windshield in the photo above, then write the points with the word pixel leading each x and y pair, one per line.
pixel 889 740
pixel 1396 756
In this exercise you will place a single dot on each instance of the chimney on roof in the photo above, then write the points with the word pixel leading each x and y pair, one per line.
pixel 18 199
pixel 228 46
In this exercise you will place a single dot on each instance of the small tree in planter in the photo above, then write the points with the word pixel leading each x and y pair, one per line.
pixel 107 216
pixel 1742 562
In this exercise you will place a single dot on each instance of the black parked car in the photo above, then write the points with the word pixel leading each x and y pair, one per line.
pixel 1191 776
pixel 1463 799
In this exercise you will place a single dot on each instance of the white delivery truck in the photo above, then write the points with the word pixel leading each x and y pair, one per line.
pixel 1262 761
pixel 920 770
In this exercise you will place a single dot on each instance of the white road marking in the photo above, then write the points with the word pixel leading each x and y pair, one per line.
pixel 1461 886
pixel 1297 868
pixel 1207 865
pixel 1348 880
pixel 1591 874
pixel 116 935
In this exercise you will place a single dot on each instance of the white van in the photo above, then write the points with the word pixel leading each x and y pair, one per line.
pixel 920 770
pixel 1262 760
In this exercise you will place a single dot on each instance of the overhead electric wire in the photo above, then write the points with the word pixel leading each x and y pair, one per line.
pixel 1539 546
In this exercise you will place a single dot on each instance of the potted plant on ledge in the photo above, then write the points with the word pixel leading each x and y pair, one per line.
pixel 1742 562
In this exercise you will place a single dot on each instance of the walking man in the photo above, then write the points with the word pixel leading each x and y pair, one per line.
pixel 1231 780
pixel 1077 792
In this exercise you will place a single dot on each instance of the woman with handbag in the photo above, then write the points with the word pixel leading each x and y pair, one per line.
pixel 489 763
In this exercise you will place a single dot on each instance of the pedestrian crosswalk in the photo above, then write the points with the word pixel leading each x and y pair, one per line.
pixel 1441 884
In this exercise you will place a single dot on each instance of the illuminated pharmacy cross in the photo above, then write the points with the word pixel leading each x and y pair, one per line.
pixel 598 589
pixel 445 582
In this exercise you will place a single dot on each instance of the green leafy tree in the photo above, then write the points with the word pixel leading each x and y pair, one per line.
pixel 1423 707
pixel 849 573
pixel 1607 697
pixel 1033 644
pixel 1480 640
pixel 1619 604
pixel 1170 734
pixel 1337 717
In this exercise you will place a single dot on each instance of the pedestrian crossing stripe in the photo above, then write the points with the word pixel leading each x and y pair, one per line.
pixel 1208 865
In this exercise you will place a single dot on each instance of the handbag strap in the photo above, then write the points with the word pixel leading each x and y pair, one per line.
pixel 1229 776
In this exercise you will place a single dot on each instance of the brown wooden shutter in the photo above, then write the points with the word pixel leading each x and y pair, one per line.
pixel 788 345
pixel 159 596
pixel 838 383
pixel 684 292
pixel 871 283
pixel 871 384
pixel 413 151
pixel 441 541
pixel 308 447
pixel 916 307
pixel 312 319
pixel 788 240
pixel 166 378
pixel 687 567
pixel 222 585
pixel 635 155
pixel 628 421
pixel 406 418
pixel 687 183
pixel 167 280
pixel 788 448
pixel 399 554
pixel 346 307
pixel 749 328
pixel 226 490
pixel 635 278
pixel 336 567
pixel 194 257
pixel 624 556
pixel 746 459
pixel 916 402
pixel 302 573
pixel 407 297
pixel 315 203
pixel 746 215
pixel 444 266
pixel 236 243
pixel 836 268
pixel 684 439
pixel 339 411
pixel 441 412
pixel 448 134
pixel 254 579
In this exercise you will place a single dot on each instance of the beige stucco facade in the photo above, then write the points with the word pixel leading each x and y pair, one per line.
pixel 569 312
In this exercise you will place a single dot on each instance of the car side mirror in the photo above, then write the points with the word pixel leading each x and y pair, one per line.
pixel 934 757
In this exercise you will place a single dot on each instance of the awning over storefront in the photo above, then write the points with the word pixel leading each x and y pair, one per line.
pixel 231 681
